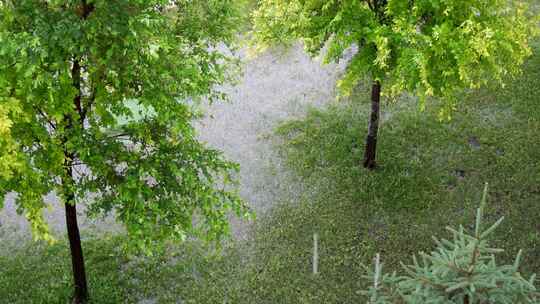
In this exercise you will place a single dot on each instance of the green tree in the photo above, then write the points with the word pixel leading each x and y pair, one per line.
pixel 70 73
pixel 423 47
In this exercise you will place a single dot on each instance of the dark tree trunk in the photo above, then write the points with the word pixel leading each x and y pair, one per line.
pixel 77 260
pixel 80 295
pixel 371 140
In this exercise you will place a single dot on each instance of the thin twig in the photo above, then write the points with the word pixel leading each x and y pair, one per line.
pixel 47 119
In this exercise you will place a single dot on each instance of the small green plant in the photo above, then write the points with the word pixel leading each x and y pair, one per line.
pixel 459 271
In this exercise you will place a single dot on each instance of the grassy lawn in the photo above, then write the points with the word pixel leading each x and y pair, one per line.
pixel 194 273
pixel 431 175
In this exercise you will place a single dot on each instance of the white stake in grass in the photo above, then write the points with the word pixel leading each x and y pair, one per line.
pixel 315 254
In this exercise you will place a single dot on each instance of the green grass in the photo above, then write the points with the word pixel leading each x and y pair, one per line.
pixel 192 273
pixel 38 273
pixel 429 177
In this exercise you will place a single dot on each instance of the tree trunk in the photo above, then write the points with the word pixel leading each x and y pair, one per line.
pixel 77 260
pixel 80 295
pixel 373 129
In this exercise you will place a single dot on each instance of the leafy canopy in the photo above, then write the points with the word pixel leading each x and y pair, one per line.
pixel 426 47
pixel 71 81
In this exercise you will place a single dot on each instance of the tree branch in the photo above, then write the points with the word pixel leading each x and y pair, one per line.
pixel 9 65
pixel 91 99
pixel 85 9
pixel 118 135
pixel 370 4
pixel 47 119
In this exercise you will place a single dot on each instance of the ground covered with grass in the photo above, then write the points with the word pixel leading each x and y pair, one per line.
pixel 430 175
pixel 191 273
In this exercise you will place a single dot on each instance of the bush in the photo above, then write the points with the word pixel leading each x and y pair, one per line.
pixel 459 271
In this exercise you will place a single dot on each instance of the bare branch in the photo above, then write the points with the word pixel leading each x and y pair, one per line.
pixel 45 117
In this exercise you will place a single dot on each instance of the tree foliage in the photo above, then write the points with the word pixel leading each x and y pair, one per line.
pixel 70 71
pixel 425 47
pixel 9 162
pixel 461 270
